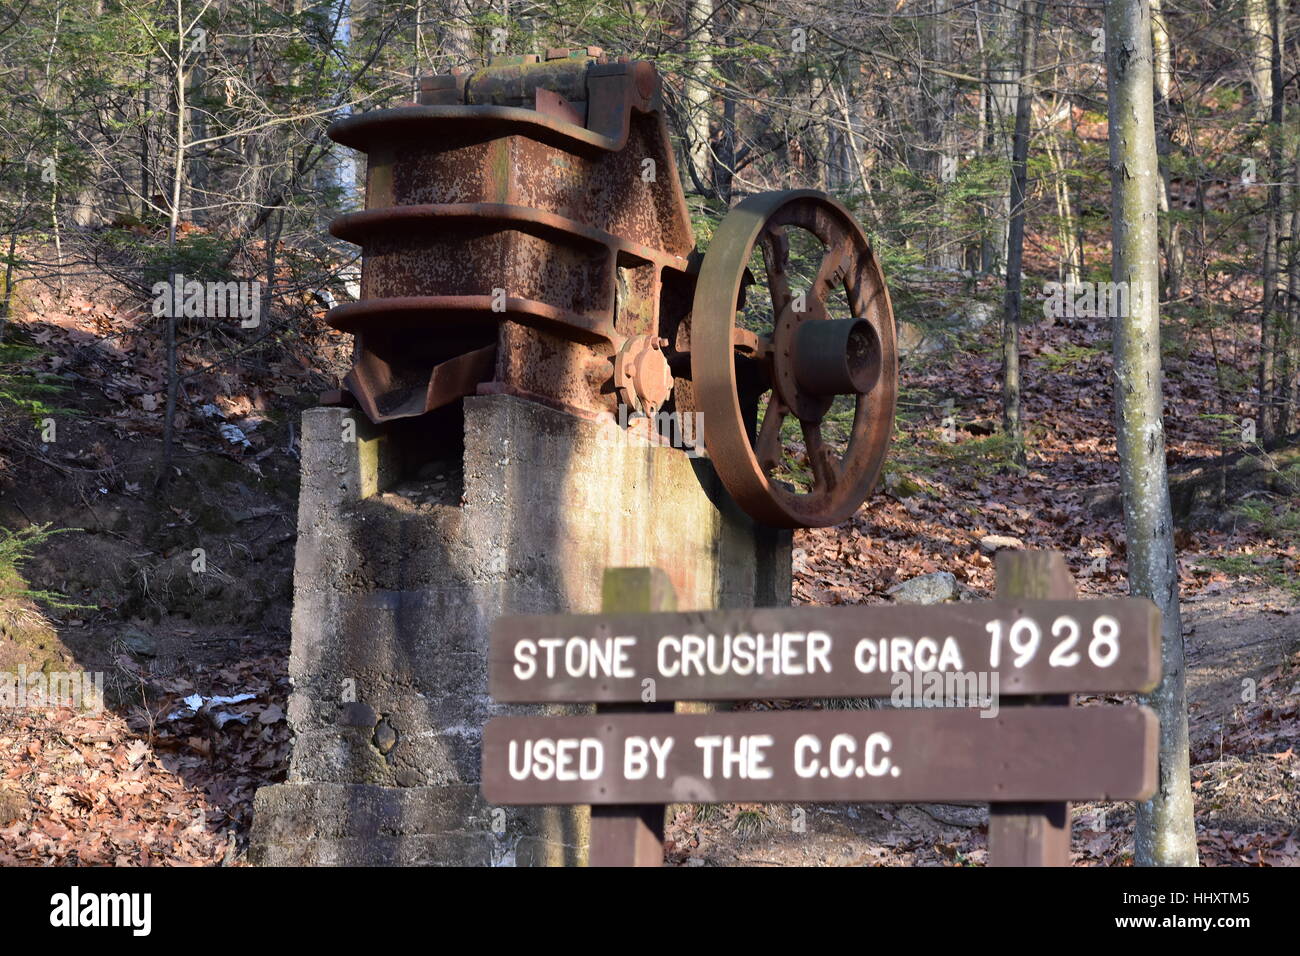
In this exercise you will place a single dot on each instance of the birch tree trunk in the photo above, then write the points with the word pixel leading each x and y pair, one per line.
pixel 1166 830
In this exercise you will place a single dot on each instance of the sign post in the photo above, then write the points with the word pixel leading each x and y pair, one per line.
pixel 631 835
pixel 1032 834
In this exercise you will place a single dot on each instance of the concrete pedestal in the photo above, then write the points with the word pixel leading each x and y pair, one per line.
pixel 410 543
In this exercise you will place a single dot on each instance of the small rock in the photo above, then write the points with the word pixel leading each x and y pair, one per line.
pixel 408 777
pixel 993 543
pixel 980 314
pixel 139 643
pixel 927 589
pixel 956 815
pixel 385 736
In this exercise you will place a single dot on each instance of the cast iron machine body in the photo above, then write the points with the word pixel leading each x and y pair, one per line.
pixel 525 232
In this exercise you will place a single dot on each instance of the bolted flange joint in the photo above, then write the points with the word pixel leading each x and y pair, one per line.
pixel 642 377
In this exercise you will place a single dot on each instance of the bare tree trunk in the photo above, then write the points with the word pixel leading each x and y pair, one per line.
pixel 51 92
pixel 1032 12
pixel 457 35
pixel 1277 339
pixel 941 123
pixel 7 291
pixel 699 40
pixel 724 167
pixel 145 184
pixel 1002 95
pixel 1260 36
pixel 1262 27
pixel 1066 231
pixel 1166 830
pixel 173 221
pixel 1170 231
pixel 1290 380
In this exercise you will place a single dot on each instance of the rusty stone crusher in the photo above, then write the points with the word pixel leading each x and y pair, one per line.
pixel 525 233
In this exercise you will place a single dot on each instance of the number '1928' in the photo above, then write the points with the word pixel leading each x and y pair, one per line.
pixel 1024 638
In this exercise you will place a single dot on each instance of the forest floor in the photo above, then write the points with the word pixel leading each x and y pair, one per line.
pixel 155 780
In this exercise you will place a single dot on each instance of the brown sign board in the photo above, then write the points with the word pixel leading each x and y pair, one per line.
pixel 890 755
pixel 1033 647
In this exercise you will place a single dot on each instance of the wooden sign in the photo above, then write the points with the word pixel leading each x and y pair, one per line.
pixel 1033 647
pixel 1022 754
pixel 946 667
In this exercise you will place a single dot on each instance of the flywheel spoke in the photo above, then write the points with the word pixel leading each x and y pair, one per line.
pixel 776 257
pixel 825 465
pixel 767 449
pixel 833 266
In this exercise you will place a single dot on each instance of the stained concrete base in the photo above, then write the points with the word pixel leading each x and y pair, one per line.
pixel 407 550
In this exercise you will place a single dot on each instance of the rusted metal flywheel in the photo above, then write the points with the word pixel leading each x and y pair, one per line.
pixel 525 232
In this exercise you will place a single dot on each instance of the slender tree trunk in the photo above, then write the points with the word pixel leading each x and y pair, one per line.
pixel 1292 361
pixel 1000 105
pixel 198 163
pixel 173 221
pixel 272 242
pixel 1262 21
pixel 1166 829
pixel 724 166
pixel 1032 12
pixel 1067 267
pixel 699 40
pixel 7 292
pixel 1277 337
pixel 417 52
pixel 1170 231
pixel 942 251
pixel 1259 35
pixel 55 225
pixel 145 184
